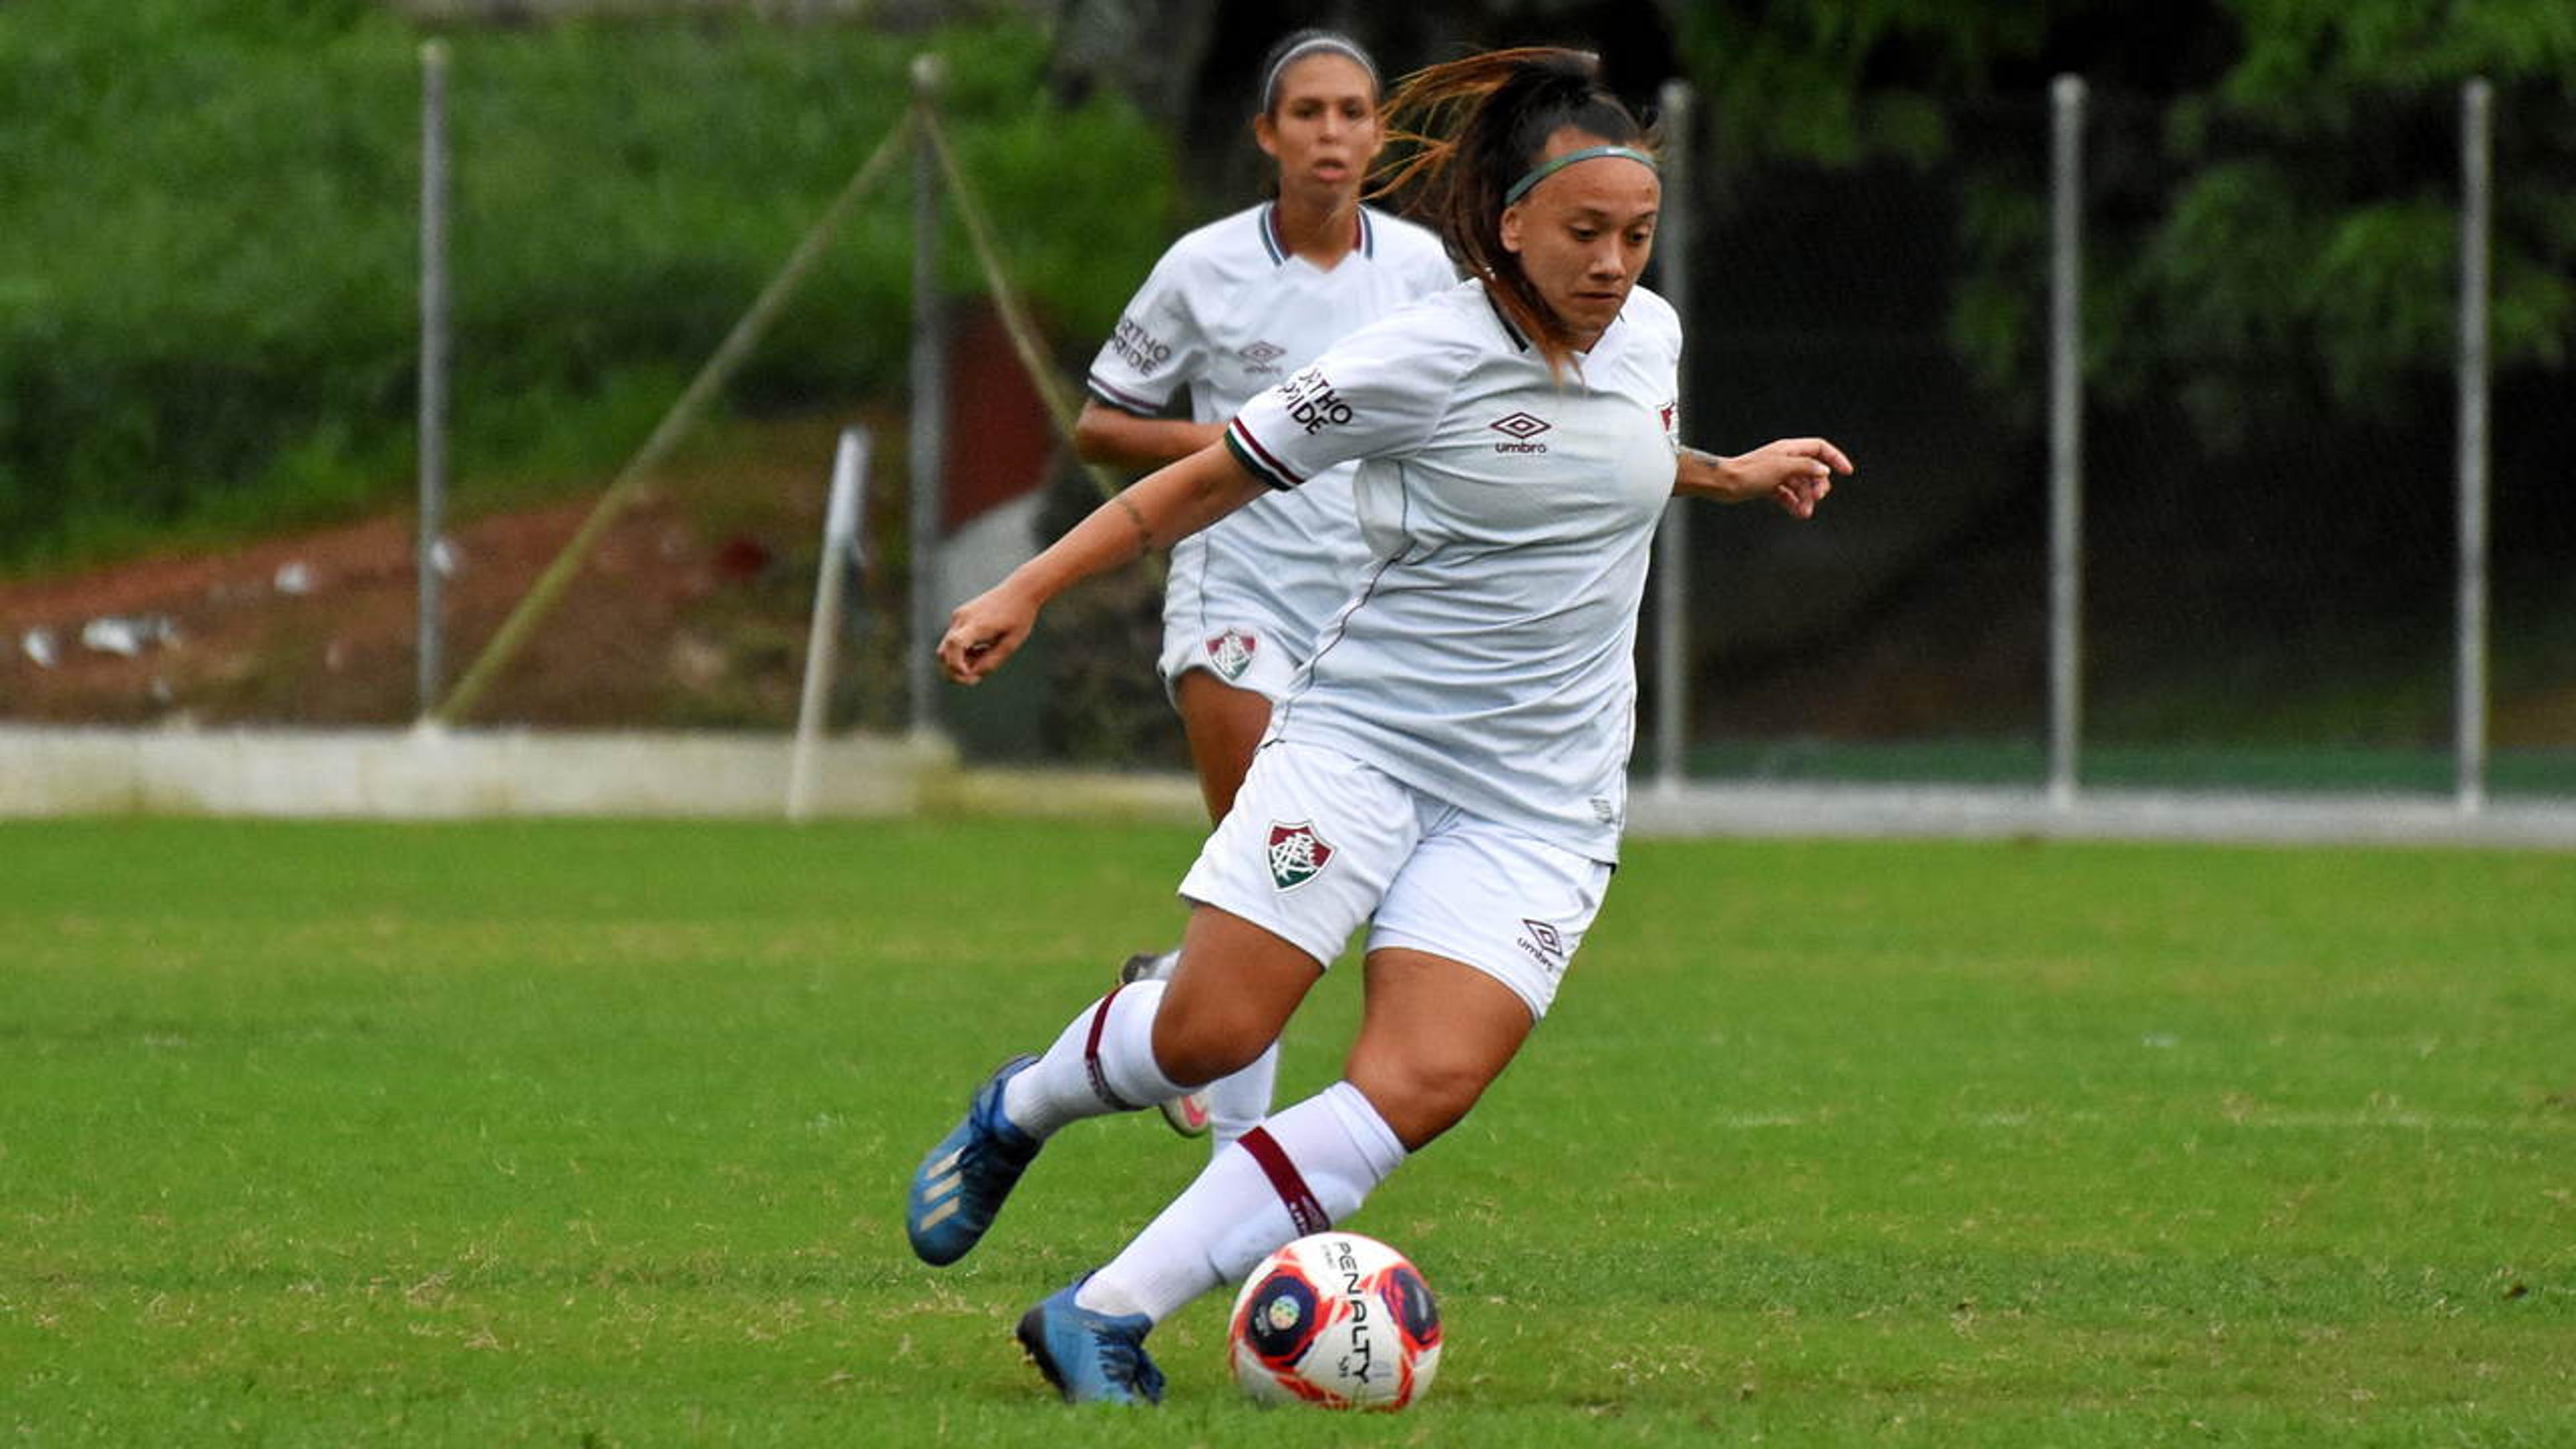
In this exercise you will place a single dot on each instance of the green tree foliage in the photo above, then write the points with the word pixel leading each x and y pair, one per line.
pixel 2300 205
pixel 209 260
pixel 1839 82
pixel 2290 166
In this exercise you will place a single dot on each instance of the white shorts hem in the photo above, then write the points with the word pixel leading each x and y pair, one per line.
pixel 1408 941
pixel 1269 671
pixel 1323 954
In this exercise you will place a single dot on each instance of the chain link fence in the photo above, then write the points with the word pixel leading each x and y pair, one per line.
pixel 2270 427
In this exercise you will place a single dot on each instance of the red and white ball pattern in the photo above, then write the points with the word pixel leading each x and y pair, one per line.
pixel 1338 1320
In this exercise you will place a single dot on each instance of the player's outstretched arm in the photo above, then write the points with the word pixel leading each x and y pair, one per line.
pixel 1157 511
pixel 1103 434
pixel 1795 473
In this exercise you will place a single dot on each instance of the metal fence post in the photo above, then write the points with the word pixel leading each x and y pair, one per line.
pixel 926 454
pixel 1672 541
pixel 2066 440
pixel 2476 202
pixel 433 362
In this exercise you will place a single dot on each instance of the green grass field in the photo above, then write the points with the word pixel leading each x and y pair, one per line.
pixel 595 1133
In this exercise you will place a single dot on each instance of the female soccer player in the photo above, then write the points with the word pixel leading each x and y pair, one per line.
pixel 1450 765
pixel 1230 310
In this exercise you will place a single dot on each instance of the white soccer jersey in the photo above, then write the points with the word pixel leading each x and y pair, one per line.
pixel 1487 656
pixel 1228 312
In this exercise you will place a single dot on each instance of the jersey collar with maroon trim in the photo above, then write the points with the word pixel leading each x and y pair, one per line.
pixel 1273 241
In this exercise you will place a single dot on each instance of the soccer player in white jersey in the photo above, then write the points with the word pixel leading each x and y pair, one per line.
pixel 1449 765
pixel 1229 311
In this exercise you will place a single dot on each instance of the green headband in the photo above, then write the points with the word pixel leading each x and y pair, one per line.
pixel 1546 169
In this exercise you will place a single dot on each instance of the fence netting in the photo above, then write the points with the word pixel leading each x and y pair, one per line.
pixel 2270 446
pixel 2269 441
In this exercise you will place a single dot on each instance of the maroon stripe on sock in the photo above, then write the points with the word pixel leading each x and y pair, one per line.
pixel 1299 1199
pixel 1091 1053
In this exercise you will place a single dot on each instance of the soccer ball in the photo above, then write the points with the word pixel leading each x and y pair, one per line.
pixel 1335 1319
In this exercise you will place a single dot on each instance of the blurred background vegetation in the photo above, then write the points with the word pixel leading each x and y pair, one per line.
pixel 207 309
pixel 208 304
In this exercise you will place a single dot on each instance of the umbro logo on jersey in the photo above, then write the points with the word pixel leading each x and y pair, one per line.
pixel 1312 403
pixel 1520 428
pixel 1297 854
pixel 1542 943
pixel 1262 356
pixel 1230 653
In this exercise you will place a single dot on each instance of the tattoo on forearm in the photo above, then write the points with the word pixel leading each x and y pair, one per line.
pixel 1702 473
pixel 1144 535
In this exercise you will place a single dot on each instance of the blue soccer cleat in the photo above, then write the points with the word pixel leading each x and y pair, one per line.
pixel 963 1182
pixel 1091 1358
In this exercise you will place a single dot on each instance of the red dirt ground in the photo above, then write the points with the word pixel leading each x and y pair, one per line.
pixel 671 621
pixel 691 613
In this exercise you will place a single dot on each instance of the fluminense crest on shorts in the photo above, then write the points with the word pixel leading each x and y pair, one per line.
pixel 1230 653
pixel 1297 854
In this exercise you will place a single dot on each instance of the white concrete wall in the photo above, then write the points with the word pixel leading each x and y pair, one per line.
pixel 411 774
pixel 403 774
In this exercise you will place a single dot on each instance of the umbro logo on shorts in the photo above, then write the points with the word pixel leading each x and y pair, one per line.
pixel 1230 653
pixel 1262 356
pixel 1542 943
pixel 1297 854
pixel 1520 428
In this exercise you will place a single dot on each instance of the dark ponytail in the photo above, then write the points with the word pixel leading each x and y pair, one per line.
pixel 1476 126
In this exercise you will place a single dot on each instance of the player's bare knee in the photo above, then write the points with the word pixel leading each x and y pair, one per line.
pixel 1419 1099
pixel 1195 1047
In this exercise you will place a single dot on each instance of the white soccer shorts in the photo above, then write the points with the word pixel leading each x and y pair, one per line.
pixel 1319 842
pixel 1245 654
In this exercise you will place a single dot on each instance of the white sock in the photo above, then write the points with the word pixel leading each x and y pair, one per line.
pixel 1102 1063
pixel 1236 1104
pixel 1297 1173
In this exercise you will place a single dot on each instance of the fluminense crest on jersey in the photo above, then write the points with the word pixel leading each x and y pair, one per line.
pixel 1297 854
pixel 1230 653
